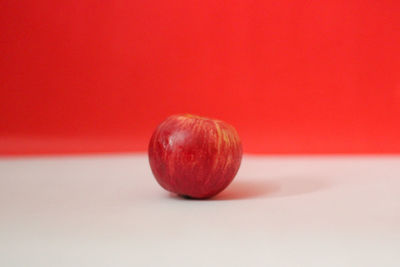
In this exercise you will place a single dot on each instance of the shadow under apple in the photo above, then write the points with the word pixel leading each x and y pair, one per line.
pixel 252 188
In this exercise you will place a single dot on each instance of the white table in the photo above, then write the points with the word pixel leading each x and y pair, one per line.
pixel 280 211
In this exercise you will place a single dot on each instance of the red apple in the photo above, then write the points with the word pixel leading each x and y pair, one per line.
pixel 193 156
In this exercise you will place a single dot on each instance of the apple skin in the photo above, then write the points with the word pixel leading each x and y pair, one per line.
pixel 194 157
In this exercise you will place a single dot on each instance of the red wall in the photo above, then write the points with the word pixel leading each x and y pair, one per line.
pixel 292 76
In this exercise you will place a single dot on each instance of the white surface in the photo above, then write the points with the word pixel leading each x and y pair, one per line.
pixel 280 211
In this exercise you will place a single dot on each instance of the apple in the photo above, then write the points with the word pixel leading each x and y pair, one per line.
pixel 193 156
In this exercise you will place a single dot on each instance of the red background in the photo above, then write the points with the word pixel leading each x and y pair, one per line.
pixel 291 76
